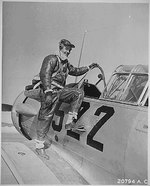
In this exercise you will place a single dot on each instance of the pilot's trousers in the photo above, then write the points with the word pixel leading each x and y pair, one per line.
pixel 73 96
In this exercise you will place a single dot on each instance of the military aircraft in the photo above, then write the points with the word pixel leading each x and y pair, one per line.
pixel 112 150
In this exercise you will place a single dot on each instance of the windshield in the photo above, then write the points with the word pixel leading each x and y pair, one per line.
pixel 126 88
pixel 116 86
pixel 135 88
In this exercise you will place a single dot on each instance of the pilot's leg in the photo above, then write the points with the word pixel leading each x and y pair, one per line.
pixel 45 117
pixel 74 97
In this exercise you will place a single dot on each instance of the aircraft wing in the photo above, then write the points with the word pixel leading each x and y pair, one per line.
pixel 21 165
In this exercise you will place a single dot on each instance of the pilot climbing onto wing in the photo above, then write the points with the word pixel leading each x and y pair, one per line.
pixel 53 74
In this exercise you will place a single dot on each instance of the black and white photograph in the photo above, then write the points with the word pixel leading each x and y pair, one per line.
pixel 74 99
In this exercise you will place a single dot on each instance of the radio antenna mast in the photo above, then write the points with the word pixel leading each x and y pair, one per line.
pixel 81 52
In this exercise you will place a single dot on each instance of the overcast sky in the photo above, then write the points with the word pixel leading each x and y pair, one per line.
pixel 117 34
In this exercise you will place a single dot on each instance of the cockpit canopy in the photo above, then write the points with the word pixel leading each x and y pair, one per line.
pixel 129 84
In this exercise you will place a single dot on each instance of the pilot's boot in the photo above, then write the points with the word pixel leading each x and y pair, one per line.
pixel 70 123
pixel 80 128
pixel 40 150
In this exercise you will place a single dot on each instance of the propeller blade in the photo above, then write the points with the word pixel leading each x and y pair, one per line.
pixel 6 107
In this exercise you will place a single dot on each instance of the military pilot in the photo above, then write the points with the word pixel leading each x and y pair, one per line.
pixel 53 74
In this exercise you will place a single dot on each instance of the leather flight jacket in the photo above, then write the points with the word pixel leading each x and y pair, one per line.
pixel 55 71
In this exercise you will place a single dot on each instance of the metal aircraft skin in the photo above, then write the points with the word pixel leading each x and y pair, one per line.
pixel 114 147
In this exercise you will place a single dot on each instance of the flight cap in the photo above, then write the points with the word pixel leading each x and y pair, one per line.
pixel 66 43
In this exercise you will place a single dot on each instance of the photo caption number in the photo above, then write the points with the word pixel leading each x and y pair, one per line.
pixel 90 141
pixel 59 113
pixel 84 107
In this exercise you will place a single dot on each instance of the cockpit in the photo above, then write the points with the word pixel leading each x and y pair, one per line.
pixel 128 84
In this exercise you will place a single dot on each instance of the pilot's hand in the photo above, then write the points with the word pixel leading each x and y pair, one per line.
pixel 93 65
pixel 48 98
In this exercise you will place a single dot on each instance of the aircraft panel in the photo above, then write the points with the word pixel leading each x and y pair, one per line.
pixel 106 146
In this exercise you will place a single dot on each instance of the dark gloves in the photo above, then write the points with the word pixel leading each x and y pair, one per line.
pixel 48 98
pixel 93 65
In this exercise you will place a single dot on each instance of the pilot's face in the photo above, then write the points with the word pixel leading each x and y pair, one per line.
pixel 66 50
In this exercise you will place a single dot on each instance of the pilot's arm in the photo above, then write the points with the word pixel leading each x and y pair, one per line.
pixel 74 71
pixel 47 69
